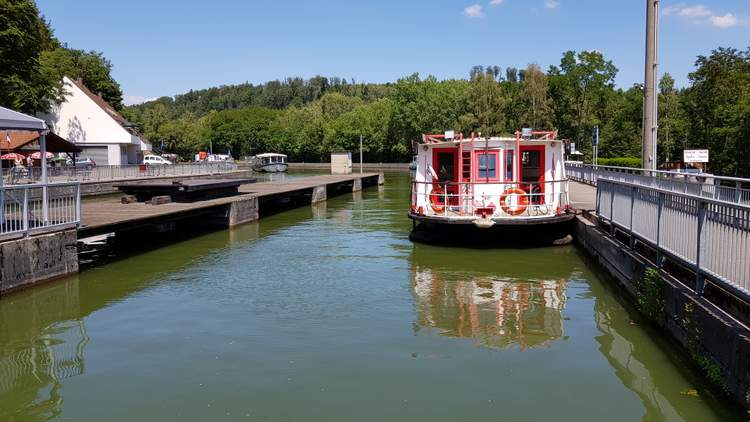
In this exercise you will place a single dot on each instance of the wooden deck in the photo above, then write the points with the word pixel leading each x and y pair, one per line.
pixel 108 215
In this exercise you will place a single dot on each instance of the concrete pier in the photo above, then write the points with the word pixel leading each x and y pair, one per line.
pixel 110 215
pixel 35 259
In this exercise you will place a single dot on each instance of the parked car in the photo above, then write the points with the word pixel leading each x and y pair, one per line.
pixel 155 160
pixel 82 162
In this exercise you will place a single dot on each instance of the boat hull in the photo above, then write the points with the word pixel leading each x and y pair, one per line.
pixel 493 232
pixel 272 167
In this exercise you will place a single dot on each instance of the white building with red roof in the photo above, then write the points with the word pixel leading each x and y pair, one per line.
pixel 103 135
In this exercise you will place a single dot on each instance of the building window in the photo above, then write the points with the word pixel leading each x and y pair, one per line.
pixel 509 165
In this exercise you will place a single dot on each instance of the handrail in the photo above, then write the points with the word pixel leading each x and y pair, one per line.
pixel 24 175
pixel 465 203
pixel 642 171
pixel 708 236
pixel 681 194
pixel 703 185
pixel 31 208
pixel 435 182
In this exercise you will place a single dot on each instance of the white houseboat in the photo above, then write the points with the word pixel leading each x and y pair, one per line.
pixel 270 163
pixel 516 185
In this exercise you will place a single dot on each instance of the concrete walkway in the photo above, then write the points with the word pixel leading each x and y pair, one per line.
pixel 582 196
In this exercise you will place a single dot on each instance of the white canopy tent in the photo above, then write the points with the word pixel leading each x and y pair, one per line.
pixel 13 120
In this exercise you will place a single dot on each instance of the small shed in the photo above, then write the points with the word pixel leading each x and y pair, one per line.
pixel 341 162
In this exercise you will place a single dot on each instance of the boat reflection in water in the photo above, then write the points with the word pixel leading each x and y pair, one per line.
pixel 495 312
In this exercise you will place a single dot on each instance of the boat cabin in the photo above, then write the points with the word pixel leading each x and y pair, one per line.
pixel 521 177
pixel 271 158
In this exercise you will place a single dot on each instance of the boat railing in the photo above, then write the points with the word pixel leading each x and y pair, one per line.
pixel 506 199
pixel 729 189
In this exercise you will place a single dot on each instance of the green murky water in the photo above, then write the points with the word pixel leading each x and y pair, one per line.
pixel 329 313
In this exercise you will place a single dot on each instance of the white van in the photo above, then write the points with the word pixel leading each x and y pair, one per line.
pixel 155 160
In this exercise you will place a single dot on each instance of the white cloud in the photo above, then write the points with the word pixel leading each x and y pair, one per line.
pixel 701 14
pixel 697 11
pixel 551 4
pixel 496 2
pixel 474 11
pixel 129 100
pixel 726 21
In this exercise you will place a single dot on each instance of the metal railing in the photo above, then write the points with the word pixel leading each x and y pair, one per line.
pixel 709 236
pixel 25 209
pixel 728 189
pixel 88 173
pixel 457 200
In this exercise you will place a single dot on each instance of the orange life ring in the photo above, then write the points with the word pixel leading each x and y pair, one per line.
pixel 436 193
pixel 520 207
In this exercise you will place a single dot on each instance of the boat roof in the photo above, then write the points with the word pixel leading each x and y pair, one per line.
pixel 478 142
pixel 270 154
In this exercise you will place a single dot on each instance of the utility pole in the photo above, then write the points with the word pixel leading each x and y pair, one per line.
pixel 650 93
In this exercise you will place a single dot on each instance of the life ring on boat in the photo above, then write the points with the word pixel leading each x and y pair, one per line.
pixel 435 195
pixel 514 201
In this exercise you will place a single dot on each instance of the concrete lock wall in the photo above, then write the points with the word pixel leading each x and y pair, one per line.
pixel 243 211
pixel 719 345
pixel 319 194
pixel 32 260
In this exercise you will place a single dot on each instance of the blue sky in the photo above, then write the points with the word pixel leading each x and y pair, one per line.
pixel 161 47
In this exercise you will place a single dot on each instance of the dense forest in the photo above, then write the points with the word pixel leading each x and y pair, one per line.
pixel 308 119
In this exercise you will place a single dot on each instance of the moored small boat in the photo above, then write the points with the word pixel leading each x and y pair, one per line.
pixel 270 163
pixel 497 189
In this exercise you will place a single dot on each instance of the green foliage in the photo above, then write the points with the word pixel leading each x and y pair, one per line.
pixel 717 106
pixel 90 66
pixel 33 62
pixel 24 35
pixel 632 162
pixel 650 295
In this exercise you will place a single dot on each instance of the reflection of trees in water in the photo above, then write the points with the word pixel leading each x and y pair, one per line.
pixel 42 338
pixel 494 312
pixel 31 374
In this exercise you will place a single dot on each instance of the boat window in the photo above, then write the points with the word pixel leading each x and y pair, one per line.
pixel 487 165
pixel 532 169
pixel 509 164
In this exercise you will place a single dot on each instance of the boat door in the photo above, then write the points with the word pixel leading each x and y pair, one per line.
pixel 445 164
pixel 532 172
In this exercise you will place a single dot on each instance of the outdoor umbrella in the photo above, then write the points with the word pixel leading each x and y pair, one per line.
pixel 38 155
pixel 12 156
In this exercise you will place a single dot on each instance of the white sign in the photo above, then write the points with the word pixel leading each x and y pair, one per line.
pixel 695 156
pixel 450 134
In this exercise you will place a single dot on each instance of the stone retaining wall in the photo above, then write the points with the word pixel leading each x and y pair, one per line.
pixel 35 259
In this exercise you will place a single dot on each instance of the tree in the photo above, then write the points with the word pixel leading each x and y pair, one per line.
pixel 24 35
pixel 579 88
pixel 716 107
pixel 672 124
pixel 90 66
pixel 535 95
pixel 484 104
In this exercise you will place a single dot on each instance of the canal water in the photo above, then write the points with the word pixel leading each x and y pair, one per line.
pixel 329 313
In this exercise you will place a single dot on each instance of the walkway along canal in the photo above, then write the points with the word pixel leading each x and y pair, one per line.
pixel 327 313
